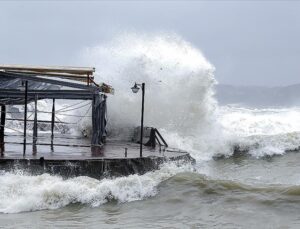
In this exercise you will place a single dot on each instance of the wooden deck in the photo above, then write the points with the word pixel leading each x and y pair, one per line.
pixel 75 148
pixel 78 160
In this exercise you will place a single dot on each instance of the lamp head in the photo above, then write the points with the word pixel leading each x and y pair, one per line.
pixel 22 86
pixel 135 88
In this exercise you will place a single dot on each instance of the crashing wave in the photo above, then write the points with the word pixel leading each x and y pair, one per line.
pixel 20 192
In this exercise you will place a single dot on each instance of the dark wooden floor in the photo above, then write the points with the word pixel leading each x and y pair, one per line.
pixel 79 150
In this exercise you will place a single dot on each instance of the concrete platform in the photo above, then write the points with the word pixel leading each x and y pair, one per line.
pixel 78 160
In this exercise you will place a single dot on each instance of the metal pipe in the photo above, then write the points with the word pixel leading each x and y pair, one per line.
pixel 142 120
pixel 40 121
pixel 25 117
pixel 159 143
pixel 94 128
pixel 35 128
pixel 2 128
pixel 163 140
pixel 52 122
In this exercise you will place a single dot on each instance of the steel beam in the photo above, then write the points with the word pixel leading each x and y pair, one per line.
pixel 29 77
pixel 35 127
pixel 25 116
pixel 47 94
pixel 2 128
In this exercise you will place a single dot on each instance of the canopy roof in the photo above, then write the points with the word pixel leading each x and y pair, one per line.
pixel 46 83
pixel 84 74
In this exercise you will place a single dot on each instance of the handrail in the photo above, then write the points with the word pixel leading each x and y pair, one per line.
pixel 161 138
pixel 155 136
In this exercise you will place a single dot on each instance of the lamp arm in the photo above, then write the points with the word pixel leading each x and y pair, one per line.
pixel 139 84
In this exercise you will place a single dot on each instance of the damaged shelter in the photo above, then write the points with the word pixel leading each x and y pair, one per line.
pixel 20 85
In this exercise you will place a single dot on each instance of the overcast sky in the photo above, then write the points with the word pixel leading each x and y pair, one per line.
pixel 249 42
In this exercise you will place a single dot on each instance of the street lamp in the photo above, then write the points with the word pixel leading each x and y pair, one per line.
pixel 135 89
pixel 22 86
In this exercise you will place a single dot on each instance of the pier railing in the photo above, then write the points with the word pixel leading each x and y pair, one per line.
pixel 156 137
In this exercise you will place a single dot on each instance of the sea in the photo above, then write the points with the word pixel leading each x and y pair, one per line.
pixel 247 170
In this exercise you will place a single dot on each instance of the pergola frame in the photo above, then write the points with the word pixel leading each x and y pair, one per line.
pixel 67 89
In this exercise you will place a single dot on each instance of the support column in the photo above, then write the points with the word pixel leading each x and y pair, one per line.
pixel 94 122
pixel 25 117
pixel 52 123
pixel 35 128
pixel 88 79
pixel 2 128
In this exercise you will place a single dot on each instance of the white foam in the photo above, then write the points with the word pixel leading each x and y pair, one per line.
pixel 20 192
pixel 246 121
pixel 178 81
pixel 262 131
pixel 179 89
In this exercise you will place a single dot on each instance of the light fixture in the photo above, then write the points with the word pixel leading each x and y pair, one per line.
pixel 135 88
pixel 22 86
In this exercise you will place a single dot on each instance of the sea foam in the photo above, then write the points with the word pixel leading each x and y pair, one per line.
pixel 20 192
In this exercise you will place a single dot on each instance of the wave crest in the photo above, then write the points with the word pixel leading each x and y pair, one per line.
pixel 20 192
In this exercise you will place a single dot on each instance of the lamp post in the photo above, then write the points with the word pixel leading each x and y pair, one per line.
pixel 135 89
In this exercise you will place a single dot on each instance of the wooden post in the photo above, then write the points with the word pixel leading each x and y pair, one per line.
pixel 2 127
pixel 25 117
pixel 35 128
pixel 52 123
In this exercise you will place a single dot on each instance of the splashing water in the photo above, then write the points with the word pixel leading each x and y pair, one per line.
pixel 21 192
pixel 262 132
pixel 179 88
pixel 179 101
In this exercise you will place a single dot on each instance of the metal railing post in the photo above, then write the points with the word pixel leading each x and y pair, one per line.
pixel 25 117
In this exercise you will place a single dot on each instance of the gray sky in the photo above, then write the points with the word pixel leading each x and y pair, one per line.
pixel 249 42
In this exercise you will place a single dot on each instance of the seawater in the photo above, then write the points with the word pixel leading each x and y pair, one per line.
pixel 256 188
pixel 249 190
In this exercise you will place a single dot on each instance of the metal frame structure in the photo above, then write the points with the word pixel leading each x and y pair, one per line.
pixel 65 88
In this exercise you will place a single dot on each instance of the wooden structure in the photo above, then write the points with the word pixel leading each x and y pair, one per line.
pixel 23 84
